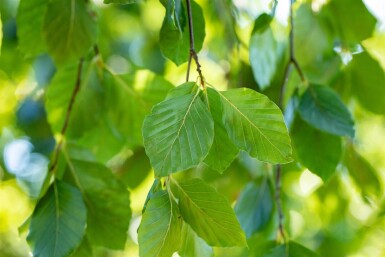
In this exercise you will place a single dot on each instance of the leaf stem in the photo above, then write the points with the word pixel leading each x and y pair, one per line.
pixel 68 115
pixel 193 53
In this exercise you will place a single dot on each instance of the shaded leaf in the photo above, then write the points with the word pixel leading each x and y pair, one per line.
pixel 178 134
pixel 223 151
pixel 208 213
pixel 255 124
pixel 367 82
pixel 121 1
pixel 264 51
pixel 192 245
pixel 84 250
pixel 322 108
pixel 291 249
pixel 363 173
pixel 175 42
pixel 69 30
pixel 160 229
pixel 318 151
pixel 254 206
pixel 62 214
pixel 107 201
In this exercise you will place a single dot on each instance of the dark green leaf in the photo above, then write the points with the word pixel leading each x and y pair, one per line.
pixel 175 42
pixel 255 124
pixel 254 207
pixel 121 1
pixel 30 19
pixel 208 213
pixel 84 250
pixel 62 214
pixel 223 151
pixel 292 249
pixel 367 82
pixel 160 229
pixel 362 172
pixel 322 108
pixel 178 134
pixel 69 30
pixel 192 245
pixel 108 204
pixel 318 151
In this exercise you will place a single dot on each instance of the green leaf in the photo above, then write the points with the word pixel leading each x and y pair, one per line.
pixel 121 1
pixel 178 134
pixel 208 213
pixel 1 33
pixel 255 124
pixel 30 19
pixel 84 250
pixel 322 108
pixel 350 19
pixel 362 172
pixel 192 245
pixel 367 82
pixel 107 201
pixel 291 249
pixel 135 169
pixel 58 222
pixel 70 30
pixel 254 206
pixel 159 233
pixel 264 52
pixel 175 42
pixel 223 151
pixel 318 151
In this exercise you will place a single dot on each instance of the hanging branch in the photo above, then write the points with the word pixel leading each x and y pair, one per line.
pixel 292 60
pixel 193 53
pixel 68 115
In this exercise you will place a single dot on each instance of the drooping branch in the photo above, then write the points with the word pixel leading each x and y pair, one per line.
pixel 193 53
pixel 292 58
pixel 68 115
pixel 278 175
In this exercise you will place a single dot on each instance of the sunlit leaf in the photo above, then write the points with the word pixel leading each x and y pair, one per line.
pixel 30 19
pixel 208 213
pixel 69 30
pixel 223 151
pixel 192 245
pixel 62 214
pixel 255 124
pixel 321 107
pixel 178 134
pixel 160 229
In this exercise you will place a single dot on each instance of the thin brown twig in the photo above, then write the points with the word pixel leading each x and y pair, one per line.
pixel 193 53
pixel 68 115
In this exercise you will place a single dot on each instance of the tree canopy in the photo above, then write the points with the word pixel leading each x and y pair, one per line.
pixel 192 128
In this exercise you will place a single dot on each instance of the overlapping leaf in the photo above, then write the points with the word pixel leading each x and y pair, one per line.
pixel 30 19
pixel 107 201
pixel 159 233
pixel 223 151
pixel 62 214
pixel 208 213
pixel 69 30
pixel 174 35
pixel 321 107
pixel 255 124
pixel 192 245
pixel 320 152
pixel 178 134
pixel 255 206
pixel 291 249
